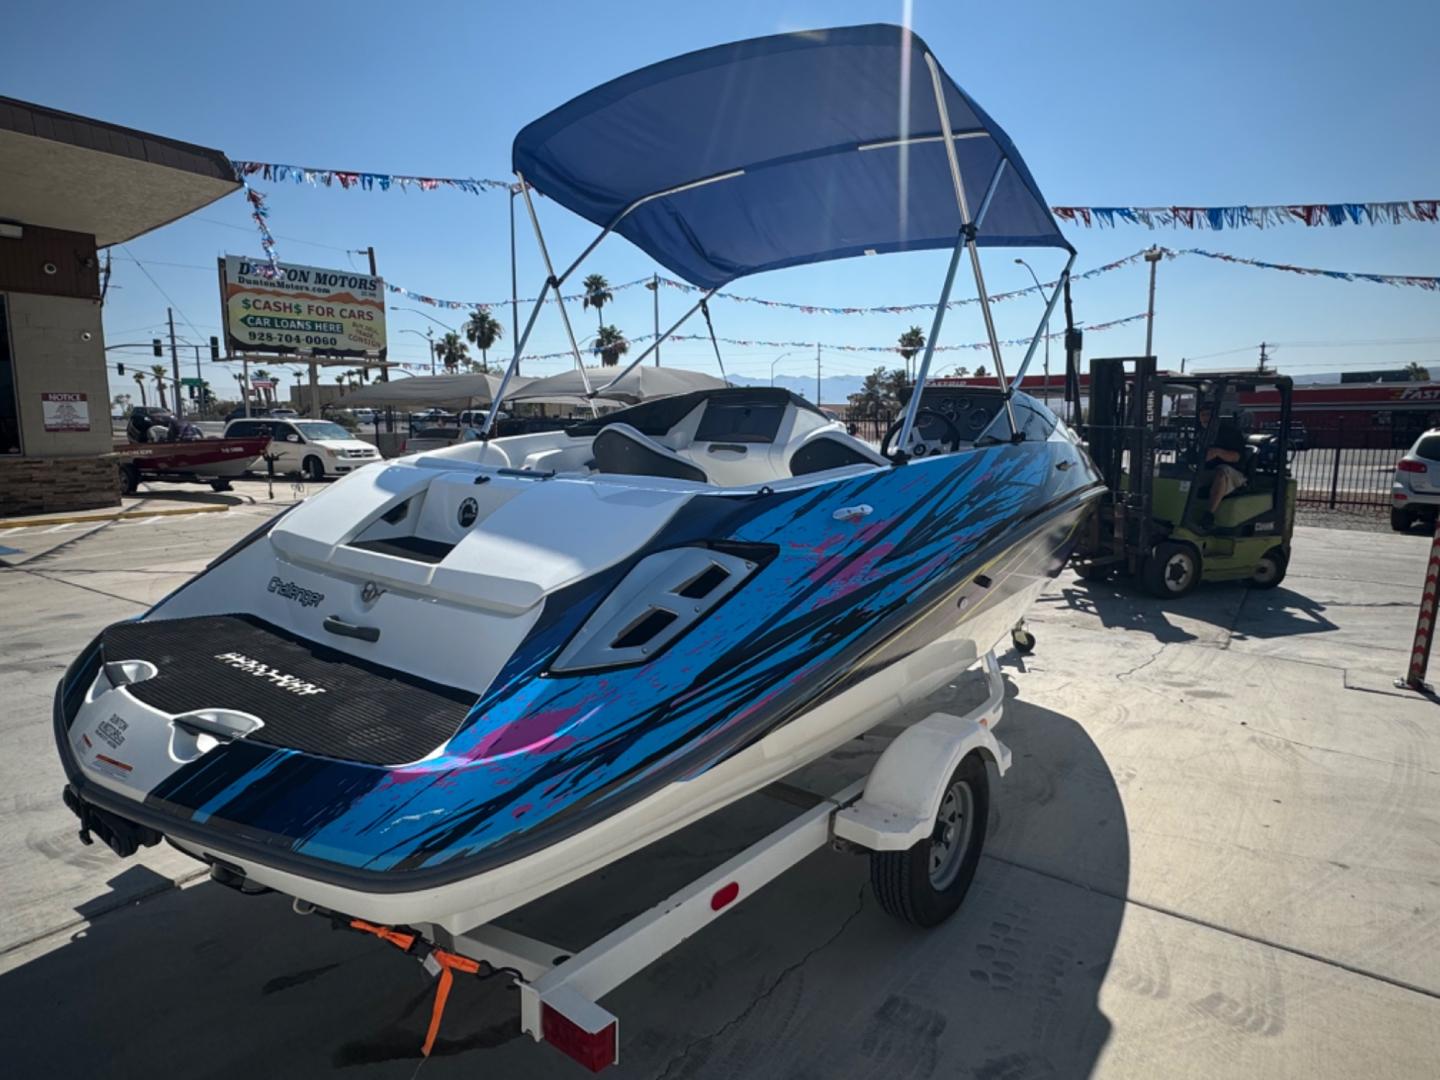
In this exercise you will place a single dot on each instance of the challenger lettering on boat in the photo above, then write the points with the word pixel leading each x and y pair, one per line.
pixel 290 591
pixel 251 666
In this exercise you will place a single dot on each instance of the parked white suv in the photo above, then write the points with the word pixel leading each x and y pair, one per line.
pixel 1415 493
pixel 314 448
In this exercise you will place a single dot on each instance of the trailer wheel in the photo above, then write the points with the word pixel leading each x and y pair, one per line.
pixel 1023 640
pixel 129 478
pixel 926 884
pixel 1270 570
pixel 1172 570
pixel 220 484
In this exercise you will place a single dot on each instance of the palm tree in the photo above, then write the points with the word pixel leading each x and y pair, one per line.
pixel 1416 372
pixel 597 295
pixel 140 382
pixel 483 330
pixel 157 372
pixel 610 343
pixel 911 342
pixel 451 351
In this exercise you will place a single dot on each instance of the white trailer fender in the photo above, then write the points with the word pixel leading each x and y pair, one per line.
pixel 903 791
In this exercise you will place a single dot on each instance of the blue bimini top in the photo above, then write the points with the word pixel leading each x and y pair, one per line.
pixel 781 151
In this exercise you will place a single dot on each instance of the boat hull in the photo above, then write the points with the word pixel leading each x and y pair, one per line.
pixel 932 611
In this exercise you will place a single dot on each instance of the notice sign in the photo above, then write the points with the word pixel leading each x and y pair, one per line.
pixel 306 310
pixel 65 412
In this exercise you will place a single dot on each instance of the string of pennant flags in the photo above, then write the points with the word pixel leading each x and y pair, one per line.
pixel 748 343
pixel 1411 280
pixel 1216 218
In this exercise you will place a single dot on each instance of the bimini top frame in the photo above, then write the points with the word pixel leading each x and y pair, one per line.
pixel 782 151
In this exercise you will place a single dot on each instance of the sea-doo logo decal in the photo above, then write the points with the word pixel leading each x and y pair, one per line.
pixel 290 591
pixel 251 666
pixel 469 511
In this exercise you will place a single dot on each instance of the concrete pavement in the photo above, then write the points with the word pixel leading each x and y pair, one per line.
pixel 1211 858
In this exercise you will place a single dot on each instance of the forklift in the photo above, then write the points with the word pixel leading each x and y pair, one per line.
pixel 1144 436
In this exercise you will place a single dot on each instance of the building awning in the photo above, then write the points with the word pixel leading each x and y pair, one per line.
pixel 64 171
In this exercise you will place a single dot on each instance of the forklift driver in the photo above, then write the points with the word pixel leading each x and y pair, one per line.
pixel 1223 455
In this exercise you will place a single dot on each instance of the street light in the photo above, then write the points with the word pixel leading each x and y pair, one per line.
pixel 1046 330
pixel 777 359
pixel 422 314
pixel 429 337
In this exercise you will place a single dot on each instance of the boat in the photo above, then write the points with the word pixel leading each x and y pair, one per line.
pixel 458 680
pixel 149 452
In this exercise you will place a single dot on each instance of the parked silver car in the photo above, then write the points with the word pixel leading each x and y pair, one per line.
pixel 1415 493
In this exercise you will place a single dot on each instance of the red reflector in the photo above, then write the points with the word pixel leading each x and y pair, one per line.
pixel 593 1049
pixel 724 895
pixel 1399 498
pixel 1406 465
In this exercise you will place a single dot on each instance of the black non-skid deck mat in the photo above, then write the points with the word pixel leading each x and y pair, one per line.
pixel 312 698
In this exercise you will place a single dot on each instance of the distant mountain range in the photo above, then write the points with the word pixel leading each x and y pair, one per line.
pixel 834 389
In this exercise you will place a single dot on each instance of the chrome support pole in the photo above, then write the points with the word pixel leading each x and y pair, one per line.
pixel 515 360
pixel 656 343
pixel 559 300
pixel 1044 325
pixel 914 404
pixel 968 234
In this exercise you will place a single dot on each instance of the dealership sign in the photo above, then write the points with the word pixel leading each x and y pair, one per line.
pixel 306 309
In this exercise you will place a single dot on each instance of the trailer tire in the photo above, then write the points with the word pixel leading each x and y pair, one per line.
pixel 926 884
pixel 220 484
pixel 129 478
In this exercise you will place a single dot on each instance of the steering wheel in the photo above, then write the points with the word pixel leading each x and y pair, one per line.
pixel 925 439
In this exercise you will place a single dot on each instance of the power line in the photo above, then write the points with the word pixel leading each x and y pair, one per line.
pixel 183 317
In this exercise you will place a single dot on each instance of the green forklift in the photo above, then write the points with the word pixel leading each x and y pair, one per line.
pixel 1144 434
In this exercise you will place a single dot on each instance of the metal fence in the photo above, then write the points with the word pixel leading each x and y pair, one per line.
pixel 1336 466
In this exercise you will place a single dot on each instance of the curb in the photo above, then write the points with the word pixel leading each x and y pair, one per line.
pixel 80 519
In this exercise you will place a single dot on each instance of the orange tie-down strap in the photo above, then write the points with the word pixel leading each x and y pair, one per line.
pixel 447 962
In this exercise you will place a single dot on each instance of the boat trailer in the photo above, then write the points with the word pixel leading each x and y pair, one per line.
pixel 904 799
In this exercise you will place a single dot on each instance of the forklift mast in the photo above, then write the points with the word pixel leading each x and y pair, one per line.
pixel 1124 413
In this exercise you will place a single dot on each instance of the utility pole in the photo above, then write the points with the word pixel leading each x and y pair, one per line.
pixel 174 363
pixel 1152 257
pixel 384 371
pixel 430 337
pixel 1261 368
pixel 817 374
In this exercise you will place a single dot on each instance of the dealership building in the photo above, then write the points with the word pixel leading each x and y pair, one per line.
pixel 70 186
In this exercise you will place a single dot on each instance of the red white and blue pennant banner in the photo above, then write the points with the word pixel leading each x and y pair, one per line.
pixel 365 181
pixel 1259 217
pixel 1152 217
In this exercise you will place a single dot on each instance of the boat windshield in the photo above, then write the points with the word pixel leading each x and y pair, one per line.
pixel 322 429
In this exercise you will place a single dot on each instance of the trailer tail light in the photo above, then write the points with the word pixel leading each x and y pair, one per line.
pixel 593 1049
pixel 1406 465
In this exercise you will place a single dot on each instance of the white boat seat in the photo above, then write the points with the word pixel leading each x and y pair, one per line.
pixel 620 448
pixel 827 448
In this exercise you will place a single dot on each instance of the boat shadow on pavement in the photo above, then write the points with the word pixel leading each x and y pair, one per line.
pixel 806 980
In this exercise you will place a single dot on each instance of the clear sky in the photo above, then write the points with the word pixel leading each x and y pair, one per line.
pixel 1111 103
